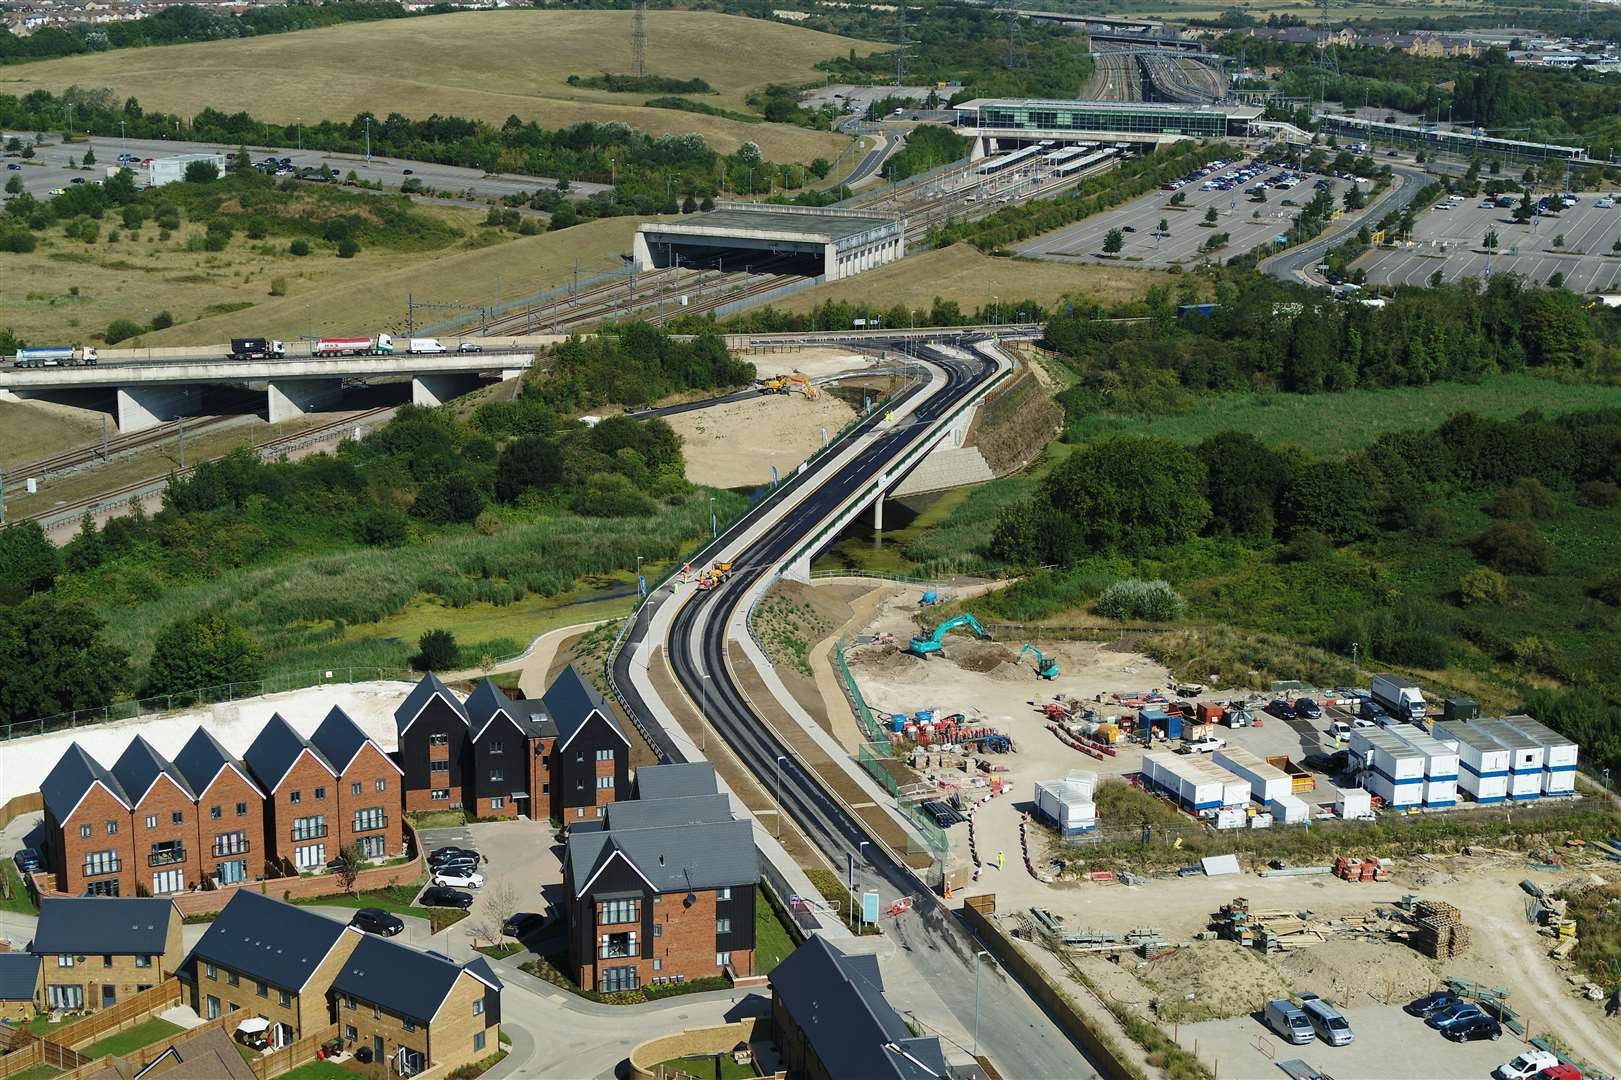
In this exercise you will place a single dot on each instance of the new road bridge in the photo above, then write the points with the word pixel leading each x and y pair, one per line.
pixel 697 633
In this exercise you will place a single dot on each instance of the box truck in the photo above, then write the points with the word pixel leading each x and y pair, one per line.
pixel 1399 697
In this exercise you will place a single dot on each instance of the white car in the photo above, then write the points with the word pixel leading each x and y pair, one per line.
pixel 1207 745
pixel 1526 1065
pixel 460 879
pixel 1360 722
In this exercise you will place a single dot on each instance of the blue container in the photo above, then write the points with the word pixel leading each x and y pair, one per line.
pixel 924 716
pixel 899 721
pixel 1173 726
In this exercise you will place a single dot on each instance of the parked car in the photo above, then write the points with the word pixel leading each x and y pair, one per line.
pixel 1281 709
pixel 1456 1014
pixel 460 879
pixel 1329 1023
pixel 1561 1071
pixel 28 860
pixel 1482 1027
pixel 523 924
pixel 1307 708
pixel 407 172
pixel 453 854
pixel 439 896
pixel 1207 745
pixel 1286 1019
pixel 377 921
pixel 469 347
pixel 1526 1065
pixel 1432 1003
pixel 14 167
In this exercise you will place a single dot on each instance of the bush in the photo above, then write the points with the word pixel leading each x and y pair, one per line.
pixel 1599 493
pixel 1482 585
pixel 1155 601
pixel 299 247
pixel 383 526
pixel 1525 498
pixel 348 248
pixel 202 172
pixel 1514 547
pixel 1607 589
pixel 1309 545
pixel 449 501
pixel 612 495
pixel 162 321
pixel 122 330
pixel 436 651
pixel 203 650
pixel 1420 648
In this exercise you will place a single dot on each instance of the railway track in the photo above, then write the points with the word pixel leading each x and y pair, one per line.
pixel 1115 77
pixel 1181 79
pixel 115 446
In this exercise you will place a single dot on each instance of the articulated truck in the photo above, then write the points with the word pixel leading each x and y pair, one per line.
pixel 55 356
pixel 257 348
pixel 381 345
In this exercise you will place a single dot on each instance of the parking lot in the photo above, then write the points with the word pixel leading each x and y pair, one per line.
pixel 1390 1045
pixel 523 855
pixel 1248 224
pixel 1452 242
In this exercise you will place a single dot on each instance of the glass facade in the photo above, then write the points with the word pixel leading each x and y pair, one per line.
pixel 1092 116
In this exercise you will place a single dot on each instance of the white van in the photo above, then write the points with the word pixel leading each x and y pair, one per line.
pixel 426 345
pixel 1327 1021
pixel 1290 1023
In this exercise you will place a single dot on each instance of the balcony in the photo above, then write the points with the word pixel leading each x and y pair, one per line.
pixel 371 824
pixel 222 848
pixel 166 857
pixel 315 833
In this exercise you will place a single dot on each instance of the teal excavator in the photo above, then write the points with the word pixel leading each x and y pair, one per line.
pixel 1046 666
pixel 925 646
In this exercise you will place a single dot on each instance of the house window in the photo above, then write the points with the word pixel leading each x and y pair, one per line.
pixel 599 811
pixel 658 965
pixel 440 795
pixel 370 818
pixel 141 961
pixel 478 1007
pixel 723 959
pixel 112 827
pixel 617 978
pixel 498 803
pixel 101 888
pixel 231 843
pixel 408 1023
pixel 320 793
pixel 232 979
pixel 107 961
pixel 354 788
pixel 723 894
pixel 497 776
pixel 215 813
pixel 232 871
pixel 213 1008
pixel 658 929
pixel 295 797
pixel 177 818
pixel 309 828
pixel 478 1041
pixel 310 856
pixel 101 862
pixel 439 739
pixel 65 997
pixel 211 971
pixel 605 755
pixel 151 821
pixel 545 789
pixel 241 809
pixel 604 782
pixel 349 1003
pixel 382 785
pixel 167 853
pixel 286 999
pixel 84 832
pixel 723 926
pixel 496 746
pixel 439 766
pixel 263 990
pixel 64 960
pixel 349 1032
pixel 613 912
pixel 618 946
pixel 373 847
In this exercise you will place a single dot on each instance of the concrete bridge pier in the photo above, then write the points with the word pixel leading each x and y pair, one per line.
pixel 292 398
pixel 142 407
pixel 434 390
pixel 878 512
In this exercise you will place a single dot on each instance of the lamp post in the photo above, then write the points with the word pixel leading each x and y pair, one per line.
pixel 977 955
pixel 703 717
pixel 714 522
pixel 780 759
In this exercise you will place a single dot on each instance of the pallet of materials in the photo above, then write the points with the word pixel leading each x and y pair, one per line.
pixel 1441 930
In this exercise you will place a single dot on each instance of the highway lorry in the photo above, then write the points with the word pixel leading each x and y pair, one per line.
pixel 55 356
pixel 1399 697
pixel 257 348
pixel 381 345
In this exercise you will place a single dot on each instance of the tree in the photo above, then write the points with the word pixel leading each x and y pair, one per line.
pixel 89 158
pixel 1353 198
pixel 56 659
pixel 14 185
pixel 436 651
pixel 1210 216
pixel 299 247
pixel 528 464
pixel 1559 240
pixel 29 562
pixel 1244 478
pixel 451 500
pixel 121 330
pixel 1164 227
pixel 201 172
pixel 1491 239
pixel 1514 547
pixel 203 650
pixel 500 905
pixel 382 526
pixel 346 868
pixel 348 248
pixel 1329 498
pixel 1114 241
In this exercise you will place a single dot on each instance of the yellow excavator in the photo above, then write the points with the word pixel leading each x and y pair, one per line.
pixel 787 384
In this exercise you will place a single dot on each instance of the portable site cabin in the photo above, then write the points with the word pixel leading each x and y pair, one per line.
pixel 1068 803
pixel 1235 789
pixel 1558 755
pixel 1180 778
pixel 1288 809
pixel 1525 757
pixel 1266 781
pixel 1440 765
pixel 1393 770
pixel 1354 803
pixel 1482 760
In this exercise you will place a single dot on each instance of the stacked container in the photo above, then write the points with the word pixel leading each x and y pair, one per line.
pixel 1068 803
pixel 1558 755
pixel 1288 809
pixel 1440 765
pixel 1525 757
pixel 1266 782
pixel 1482 760
pixel 1183 779
pixel 1395 771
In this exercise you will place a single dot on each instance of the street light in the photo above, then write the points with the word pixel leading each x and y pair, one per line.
pixel 977 955
pixel 780 759
pixel 703 717
pixel 714 522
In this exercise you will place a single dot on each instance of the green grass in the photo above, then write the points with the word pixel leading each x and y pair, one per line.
pixel 709 1067
pixel 772 941
pixel 43 1025
pixel 38 1072
pixel 1331 425
pixel 131 1039
pixel 320 1070
pixel 19 900
pixel 501 951
pixel 395 898
pixel 438 819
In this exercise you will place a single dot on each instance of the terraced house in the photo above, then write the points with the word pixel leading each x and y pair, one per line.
pixel 661 889
pixel 230 810
pixel 163 821
pixel 97 951
pixel 87 833
pixel 300 971
pixel 368 788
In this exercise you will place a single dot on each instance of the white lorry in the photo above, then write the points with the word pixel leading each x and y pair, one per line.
pixel 1399 697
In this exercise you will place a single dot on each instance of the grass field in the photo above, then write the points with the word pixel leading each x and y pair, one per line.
pixel 35 429
pixel 709 1067
pixel 1330 425
pixel 771 941
pixel 319 1070
pixel 970 278
pixel 482 65
pixel 142 1034
pixel 19 900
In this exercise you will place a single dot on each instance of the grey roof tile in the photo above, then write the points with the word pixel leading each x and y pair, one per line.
pixel 418 699
pixel 664 813
pixel 139 767
pixel 103 924
pixel 673 858
pixel 339 739
pixel 674 781
pixel 275 749
pixel 72 775
pixel 202 758
pixel 19 976
pixel 487 704
pixel 571 700
pixel 266 939
pixel 399 978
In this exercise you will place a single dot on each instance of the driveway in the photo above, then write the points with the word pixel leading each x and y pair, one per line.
pixel 522 859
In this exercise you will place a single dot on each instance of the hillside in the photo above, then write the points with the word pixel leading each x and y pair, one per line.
pixel 483 65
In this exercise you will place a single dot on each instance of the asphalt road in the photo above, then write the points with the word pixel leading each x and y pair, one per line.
pixel 891 142
pixel 48 168
pixel 1014 1033
pixel 1293 264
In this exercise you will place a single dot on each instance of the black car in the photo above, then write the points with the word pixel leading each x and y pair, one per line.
pixel 522 924
pixel 407 172
pixel 1431 1003
pixel 1307 708
pixel 453 854
pixel 1281 709
pixel 28 860
pixel 377 921
pixel 1481 1027
pixel 441 896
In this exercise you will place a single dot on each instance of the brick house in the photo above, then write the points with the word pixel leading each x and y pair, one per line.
pixel 301 796
pixel 21 991
pixel 299 971
pixel 431 724
pixel 584 754
pixel 368 787
pixel 831 1020
pixel 97 951
pixel 501 755
pixel 87 833
pixel 230 810
pixel 660 890
pixel 163 821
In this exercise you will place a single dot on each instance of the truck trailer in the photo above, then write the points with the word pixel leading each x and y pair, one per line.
pixel 257 348
pixel 1399 697
pixel 55 356
pixel 381 345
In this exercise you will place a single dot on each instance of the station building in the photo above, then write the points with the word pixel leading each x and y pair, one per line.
pixel 1002 123
pixel 814 241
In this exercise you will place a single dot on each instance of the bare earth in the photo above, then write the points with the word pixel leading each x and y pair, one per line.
pixel 735 445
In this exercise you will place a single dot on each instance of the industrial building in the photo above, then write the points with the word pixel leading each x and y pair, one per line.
pixel 1440 764
pixel 1267 782
pixel 1558 755
pixel 169 170
pixel 1482 760
pixel 1005 122
pixel 818 242
pixel 1525 757
pixel 1392 770
pixel 1067 803
pixel 1463 143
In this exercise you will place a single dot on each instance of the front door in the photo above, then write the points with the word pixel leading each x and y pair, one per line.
pixel 377 1048
pixel 109 995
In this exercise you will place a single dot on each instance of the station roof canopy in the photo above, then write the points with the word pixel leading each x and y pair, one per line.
pixel 1232 112
pixel 823 224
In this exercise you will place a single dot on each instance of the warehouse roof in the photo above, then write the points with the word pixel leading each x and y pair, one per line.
pixel 73 775
pixel 267 939
pixel 19 976
pixel 826 225
pixel 426 689
pixel 140 766
pixel 274 751
pixel 202 759
pixel 402 980
pixel 572 702
pixel 126 926
pixel 674 781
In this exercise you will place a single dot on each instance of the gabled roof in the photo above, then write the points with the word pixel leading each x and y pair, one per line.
pixel 572 702
pixel 487 704
pixel 128 926
pixel 19 976
pixel 426 689
pixel 402 980
pixel 206 1053
pixel 202 759
pixel 838 1002
pixel 140 766
pixel 670 859
pixel 275 750
pixel 663 813
pixel 72 777
pixel 339 739
pixel 675 781
pixel 274 942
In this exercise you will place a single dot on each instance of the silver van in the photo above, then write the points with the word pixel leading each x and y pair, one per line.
pixel 1285 1018
pixel 1326 1020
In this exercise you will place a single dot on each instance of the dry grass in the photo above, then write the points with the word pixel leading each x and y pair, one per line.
pixel 36 429
pixel 963 274
pixel 485 65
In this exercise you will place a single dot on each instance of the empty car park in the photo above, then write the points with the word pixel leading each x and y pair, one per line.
pixel 1576 241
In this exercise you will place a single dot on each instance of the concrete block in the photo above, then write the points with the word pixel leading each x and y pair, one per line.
pixel 434 390
pixel 142 407
pixel 292 398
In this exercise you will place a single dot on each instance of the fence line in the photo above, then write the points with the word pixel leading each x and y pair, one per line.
pixel 119 1016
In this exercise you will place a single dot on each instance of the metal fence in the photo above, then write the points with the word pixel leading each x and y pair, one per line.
pixel 869 724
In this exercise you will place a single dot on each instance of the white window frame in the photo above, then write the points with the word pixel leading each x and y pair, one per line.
pixel 309 856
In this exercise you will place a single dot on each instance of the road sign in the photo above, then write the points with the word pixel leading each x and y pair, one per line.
pixel 869 907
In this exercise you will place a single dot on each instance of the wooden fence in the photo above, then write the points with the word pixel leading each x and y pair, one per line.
pixel 292 1055
pixel 32 1050
pixel 31 802
pixel 126 1013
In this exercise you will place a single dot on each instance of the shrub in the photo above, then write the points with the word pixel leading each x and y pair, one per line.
pixel 1132 598
pixel 1533 653
pixel 201 172
pixel 612 495
pixel 121 330
pixel 436 651
pixel 448 501
pixel 203 650
pixel 383 526
pixel 278 286
pixel 1482 585
pixel 162 321
pixel 1526 498
pixel 1607 589
pixel 1420 648
pixel 1307 546
pixel 348 248
pixel 1600 493
pixel 487 524
pixel 299 247
pixel 1514 547
pixel 18 241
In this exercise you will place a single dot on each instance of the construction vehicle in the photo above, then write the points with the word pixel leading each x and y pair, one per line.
pixel 722 569
pixel 1046 666
pixel 924 646
pixel 787 384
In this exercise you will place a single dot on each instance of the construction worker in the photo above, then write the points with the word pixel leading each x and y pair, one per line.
pixel 1001 859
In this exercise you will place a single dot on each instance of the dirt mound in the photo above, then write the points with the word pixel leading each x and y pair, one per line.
pixel 1353 972
pixel 982 657
pixel 1213 979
